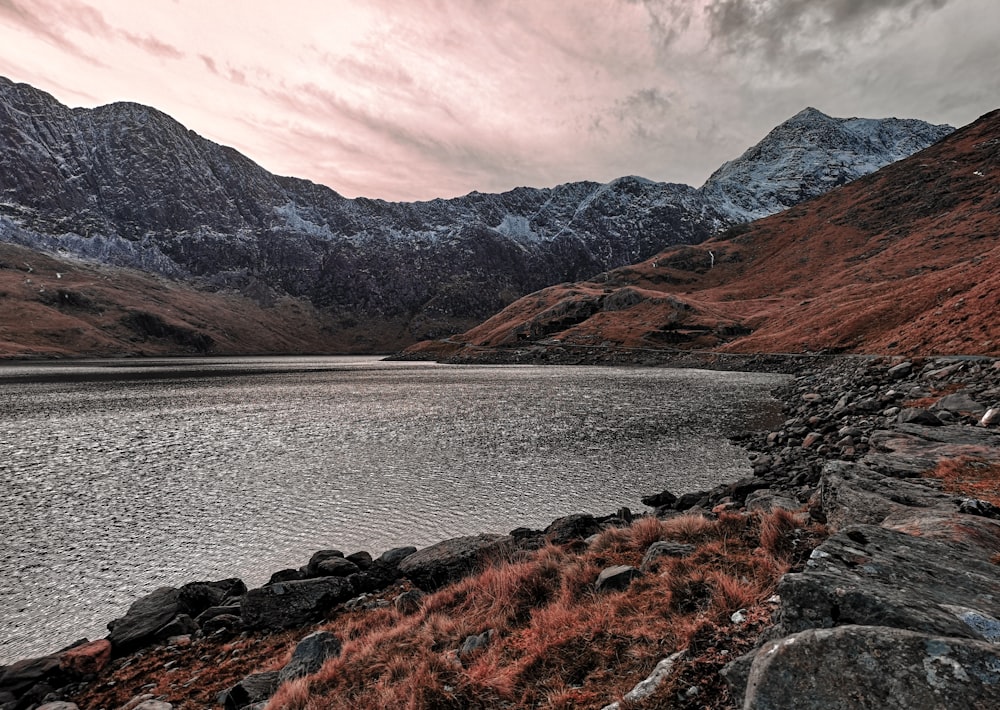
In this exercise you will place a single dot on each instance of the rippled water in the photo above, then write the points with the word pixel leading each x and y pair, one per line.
pixel 118 477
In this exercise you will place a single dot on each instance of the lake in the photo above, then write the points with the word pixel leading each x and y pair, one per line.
pixel 117 477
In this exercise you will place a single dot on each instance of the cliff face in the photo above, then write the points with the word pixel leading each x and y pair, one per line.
pixel 901 261
pixel 126 185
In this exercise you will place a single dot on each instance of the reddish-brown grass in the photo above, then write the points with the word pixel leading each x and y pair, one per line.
pixel 970 476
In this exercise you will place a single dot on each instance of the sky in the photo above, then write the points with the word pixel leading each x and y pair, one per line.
pixel 417 99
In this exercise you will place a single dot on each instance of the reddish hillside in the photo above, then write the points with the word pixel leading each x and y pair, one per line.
pixel 52 307
pixel 905 260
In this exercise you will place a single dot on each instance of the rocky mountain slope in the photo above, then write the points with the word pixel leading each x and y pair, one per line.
pixel 126 185
pixel 902 261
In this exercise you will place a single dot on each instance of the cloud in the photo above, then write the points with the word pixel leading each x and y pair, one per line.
pixel 804 31
pixel 43 22
pixel 151 45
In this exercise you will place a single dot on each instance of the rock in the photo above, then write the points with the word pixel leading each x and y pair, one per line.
pixel 991 417
pixel 254 688
pixel 900 371
pixel 917 415
pixel 309 655
pixel 664 548
pixel 141 624
pixel 659 500
pixel 87 658
pixel 180 625
pixel 649 685
pixel 974 506
pixel 408 602
pixel 396 555
pixel 473 645
pixel 959 402
pixel 154 705
pixel 312 569
pixel 766 500
pixel 812 438
pixel 214 611
pixel 286 575
pixel 870 575
pixel 289 604
pixel 58 705
pixel 873 667
pixel 137 701
pixel 220 622
pixel 451 560
pixel 196 597
pixel 616 578
pixel 18 678
pixel 335 567
pixel 578 526
pixel 690 500
pixel 362 559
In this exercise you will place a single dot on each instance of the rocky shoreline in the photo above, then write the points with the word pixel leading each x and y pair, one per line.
pixel 898 607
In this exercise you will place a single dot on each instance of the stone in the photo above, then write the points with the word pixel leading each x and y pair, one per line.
pixel 974 506
pixel 214 611
pixel 253 689
pixel 154 705
pixel 336 567
pixel 286 575
pixel 870 575
pixel 664 548
pixel 220 622
pixel 180 625
pixel 691 500
pixel 812 438
pixel 362 559
pixel 659 500
pixel 900 371
pixel 959 402
pixel 86 659
pixel 578 526
pixel 396 555
pixel 18 678
pixel 312 569
pixel 991 417
pixel 196 597
pixel 474 644
pixel 143 620
pixel 651 683
pixel 873 667
pixel 408 602
pixel 617 578
pixel 58 705
pixel 767 500
pixel 451 560
pixel 918 415
pixel 290 604
pixel 309 655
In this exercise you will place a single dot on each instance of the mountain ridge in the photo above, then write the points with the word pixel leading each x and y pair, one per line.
pixel 126 185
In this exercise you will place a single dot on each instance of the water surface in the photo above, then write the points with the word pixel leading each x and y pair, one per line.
pixel 118 477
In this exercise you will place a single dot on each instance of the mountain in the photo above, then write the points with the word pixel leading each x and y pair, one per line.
pixel 125 185
pixel 905 260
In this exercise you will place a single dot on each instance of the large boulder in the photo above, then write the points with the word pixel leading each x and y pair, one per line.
pixel 141 625
pixel 255 688
pixel 451 560
pixel 873 667
pixel 309 655
pixel 578 526
pixel 874 576
pixel 289 604
pixel 196 597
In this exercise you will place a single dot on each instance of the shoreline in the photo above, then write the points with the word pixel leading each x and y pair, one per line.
pixel 840 455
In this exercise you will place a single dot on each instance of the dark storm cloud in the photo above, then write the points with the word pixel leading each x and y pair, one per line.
pixel 806 30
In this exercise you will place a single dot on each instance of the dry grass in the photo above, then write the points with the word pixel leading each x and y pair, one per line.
pixel 973 477
pixel 557 643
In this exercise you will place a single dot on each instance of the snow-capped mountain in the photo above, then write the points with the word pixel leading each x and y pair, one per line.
pixel 808 155
pixel 126 185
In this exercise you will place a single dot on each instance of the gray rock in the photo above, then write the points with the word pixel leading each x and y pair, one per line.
pixel 335 567
pixel 286 575
pixel 870 575
pixel 918 415
pixel 361 558
pixel 396 555
pixel 408 602
pixel 154 705
pixel 991 417
pixel 616 578
pixel 212 612
pixel 180 625
pixel 18 678
pixel 974 506
pixel 900 371
pixel 309 655
pixel 220 622
pixel 649 685
pixel 659 500
pixel 664 548
pixel 58 705
pixel 578 526
pixel 312 569
pixel 289 604
pixel 959 402
pixel 141 624
pixel 767 500
pixel 196 597
pixel 474 644
pixel 252 689
pixel 451 560
pixel 873 667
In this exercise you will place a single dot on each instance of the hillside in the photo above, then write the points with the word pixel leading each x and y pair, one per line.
pixel 905 260
pixel 125 185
